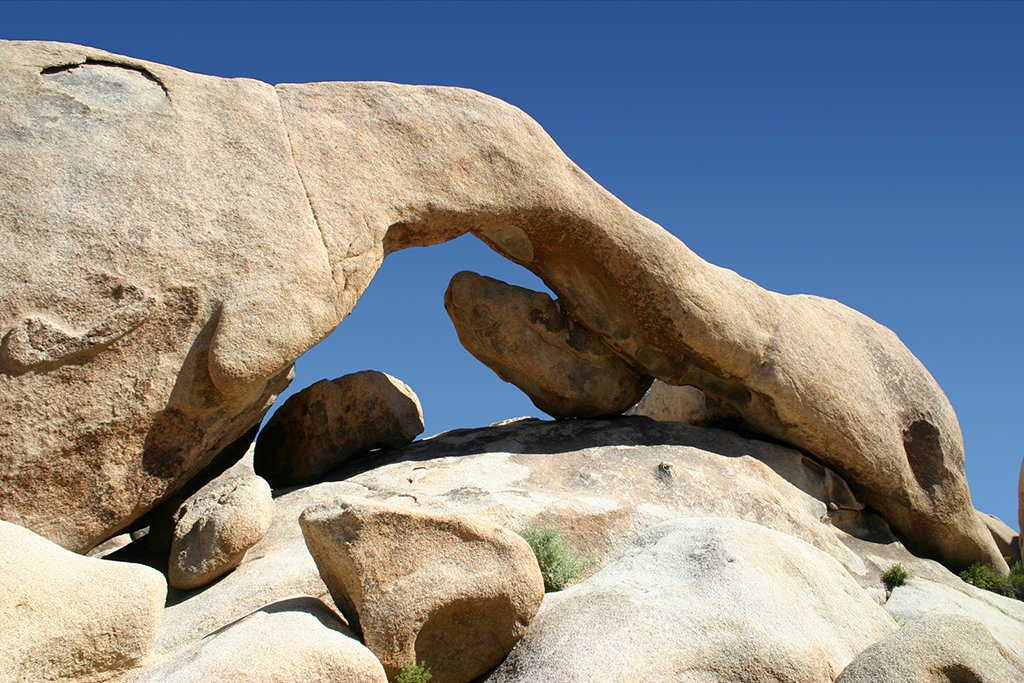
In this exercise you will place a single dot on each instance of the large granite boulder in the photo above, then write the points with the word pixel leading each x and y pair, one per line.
pixel 528 340
pixel 66 617
pixel 703 599
pixel 943 648
pixel 216 526
pixel 212 230
pixel 323 425
pixel 455 592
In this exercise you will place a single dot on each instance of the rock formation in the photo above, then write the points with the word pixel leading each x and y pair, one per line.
pixel 212 230
pixel 528 340
pixel 217 525
pixel 455 592
pixel 325 424
pixel 936 649
pixel 668 403
pixel 703 600
pixel 65 617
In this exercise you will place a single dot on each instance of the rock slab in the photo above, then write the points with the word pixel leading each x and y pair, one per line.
pixel 323 425
pixel 455 592
pixel 703 599
pixel 215 527
pixel 65 617
pixel 944 648
pixel 296 639
pixel 528 339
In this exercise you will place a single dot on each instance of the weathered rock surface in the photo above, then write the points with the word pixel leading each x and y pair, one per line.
pixel 325 424
pixel 456 592
pixel 221 227
pixel 297 639
pixel 945 648
pixel 67 617
pixel 530 341
pixel 668 403
pixel 703 599
pixel 217 525
pixel 1007 540
pixel 921 598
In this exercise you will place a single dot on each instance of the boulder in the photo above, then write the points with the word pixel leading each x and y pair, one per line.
pixel 945 648
pixel 668 403
pixel 921 598
pixel 703 599
pixel 296 639
pixel 1007 540
pixel 530 341
pixel 68 617
pixel 216 526
pixel 455 592
pixel 216 229
pixel 323 425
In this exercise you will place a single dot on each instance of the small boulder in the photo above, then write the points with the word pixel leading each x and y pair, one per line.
pixel 703 599
pixel 217 525
pixel 668 403
pixel 456 592
pixel 64 616
pixel 530 340
pixel 323 425
pixel 296 639
pixel 1007 540
pixel 942 648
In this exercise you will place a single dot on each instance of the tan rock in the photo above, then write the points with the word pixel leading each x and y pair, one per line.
pixel 68 617
pixel 455 592
pixel 217 525
pixel 1007 540
pixel 668 403
pixel 937 649
pixel 221 227
pixel 528 340
pixel 296 639
pixel 323 425
pixel 703 599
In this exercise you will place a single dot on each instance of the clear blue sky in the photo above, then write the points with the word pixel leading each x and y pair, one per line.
pixel 872 153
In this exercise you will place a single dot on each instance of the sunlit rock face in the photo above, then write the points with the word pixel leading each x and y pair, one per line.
pixel 173 242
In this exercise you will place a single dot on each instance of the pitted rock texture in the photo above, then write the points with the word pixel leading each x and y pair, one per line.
pixel 67 617
pixel 703 599
pixel 528 340
pixel 254 216
pixel 215 527
pixel 944 648
pixel 323 425
pixel 456 592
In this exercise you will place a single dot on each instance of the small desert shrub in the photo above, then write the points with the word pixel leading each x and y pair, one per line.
pixel 414 674
pixel 982 576
pixel 558 565
pixel 895 575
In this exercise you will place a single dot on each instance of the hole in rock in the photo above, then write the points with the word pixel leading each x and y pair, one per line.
pixel 400 326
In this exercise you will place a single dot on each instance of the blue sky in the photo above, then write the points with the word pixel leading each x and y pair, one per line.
pixel 871 153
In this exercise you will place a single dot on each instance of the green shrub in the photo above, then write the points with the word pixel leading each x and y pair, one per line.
pixel 895 575
pixel 558 565
pixel 414 674
pixel 982 576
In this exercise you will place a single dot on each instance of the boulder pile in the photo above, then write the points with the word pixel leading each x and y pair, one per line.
pixel 780 453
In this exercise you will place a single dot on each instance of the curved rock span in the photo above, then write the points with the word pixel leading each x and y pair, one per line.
pixel 173 242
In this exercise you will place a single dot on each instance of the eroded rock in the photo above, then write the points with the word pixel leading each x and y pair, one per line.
pixel 323 425
pixel 68 617
pixel 937 649
pixel 453 591
pixel 667 403
pixel 528 340
pixel 703 599
pixel 216 526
